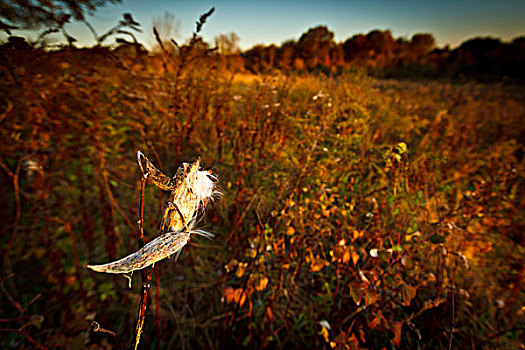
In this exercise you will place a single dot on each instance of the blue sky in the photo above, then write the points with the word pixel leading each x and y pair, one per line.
pixel 273 21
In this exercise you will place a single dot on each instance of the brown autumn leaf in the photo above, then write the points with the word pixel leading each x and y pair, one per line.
pixel 396 328
pixel 228 294
pixel 241 267
pixel 371 297
pixel 346 257
pixel 408 292
pixel 355 257
pixel 376 321
pixel 261 283
pixel 318 264
pixel 269 314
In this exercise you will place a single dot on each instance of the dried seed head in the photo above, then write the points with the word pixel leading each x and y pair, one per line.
pixel 203 185
pixel 195 191
pixel 191 190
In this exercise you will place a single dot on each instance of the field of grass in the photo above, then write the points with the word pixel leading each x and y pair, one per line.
pixel 357 213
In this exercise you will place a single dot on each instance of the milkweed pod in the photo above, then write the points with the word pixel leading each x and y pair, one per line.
pixel 154 175
pixel 156 250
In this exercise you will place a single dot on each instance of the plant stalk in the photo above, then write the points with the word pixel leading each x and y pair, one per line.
pixel 145 273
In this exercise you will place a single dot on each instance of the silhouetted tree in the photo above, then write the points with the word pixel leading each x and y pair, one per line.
pixel 422 44
pixel 227 44
pixel 314 46
pixel 286 55
pixel 382 55
pixel 515 58
pixel 337 56
pixel 380 42
pixel 478 58
pixel 229 50
pixel 35 14
pixel 260 58
pixel 355 47
pixel 481 47
pixel 167 29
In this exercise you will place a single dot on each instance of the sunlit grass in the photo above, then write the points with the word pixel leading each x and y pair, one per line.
pixel 339 192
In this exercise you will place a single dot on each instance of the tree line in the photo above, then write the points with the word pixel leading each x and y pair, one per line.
pixel 377 53
pixel 382 55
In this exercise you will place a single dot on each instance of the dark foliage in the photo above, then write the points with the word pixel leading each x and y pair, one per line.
pixel 36 14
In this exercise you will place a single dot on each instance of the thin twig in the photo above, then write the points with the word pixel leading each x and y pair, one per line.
pixel 114 202
pixel 497 335
pixel 140 236
pixel 15 177
pixel 146 278
pixel 69 229
pixel 5 167
pixel 27 336
pixel 453 321
pixel 15 303
pixel 239 222
pixel 95 326
pixel 21 310
pixel 157 301
pixel 91 29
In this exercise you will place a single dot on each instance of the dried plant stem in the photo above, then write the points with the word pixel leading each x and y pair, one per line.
pixel 21 311
pixel 145 273
pixel 453 316
pixel 140 233
pixel 191 189
pixel 157 301
pixel 114 203
pixel 146 278
pixel 95 326
pixel 69 229
pixel 15 179
pixel 108 221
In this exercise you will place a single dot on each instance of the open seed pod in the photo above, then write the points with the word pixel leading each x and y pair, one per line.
pixel 161 247
pixel 191 190
pixel 195 190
